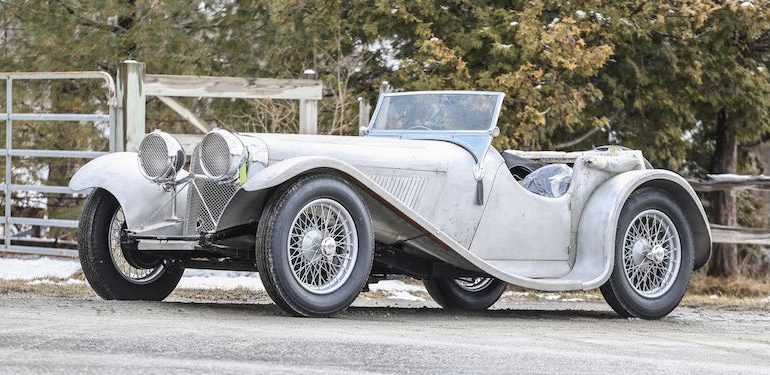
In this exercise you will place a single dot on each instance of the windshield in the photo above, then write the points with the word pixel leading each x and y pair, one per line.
pixel 441 111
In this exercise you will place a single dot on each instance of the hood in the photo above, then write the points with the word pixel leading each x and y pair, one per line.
pixel 363 152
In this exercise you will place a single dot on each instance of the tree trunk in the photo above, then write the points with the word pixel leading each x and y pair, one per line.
pixel 724 258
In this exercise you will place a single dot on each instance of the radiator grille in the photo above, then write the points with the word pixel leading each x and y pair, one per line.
pixel 215 196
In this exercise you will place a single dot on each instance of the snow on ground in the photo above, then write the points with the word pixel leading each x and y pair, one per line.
pixel 396 285
pixel 29 269
pixel 41 270
pixel 397 289
pixel 225 280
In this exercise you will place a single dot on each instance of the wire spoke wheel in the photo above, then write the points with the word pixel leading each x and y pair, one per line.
pixel 322 246
pixel 652 253
pixel 129 272
pixel 473 284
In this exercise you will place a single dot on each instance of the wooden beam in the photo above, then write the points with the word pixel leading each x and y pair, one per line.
pixel 720 182
pixel 232 87
pixel 739 235
pixel 185 113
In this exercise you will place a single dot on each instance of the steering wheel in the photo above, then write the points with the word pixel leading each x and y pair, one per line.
pixel 419 127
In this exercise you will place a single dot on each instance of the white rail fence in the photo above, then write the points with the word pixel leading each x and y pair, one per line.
pixel 126 116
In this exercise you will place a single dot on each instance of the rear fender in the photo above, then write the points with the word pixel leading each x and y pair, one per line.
pixel 596 234
pixel 144 203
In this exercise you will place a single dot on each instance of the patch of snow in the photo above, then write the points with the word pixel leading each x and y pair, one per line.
pixel 580 14
pixel 766 299
pixel 513 24
pixel 434 39
pixel 393 10
pixel 385 48
pixel 747 4
pixel 40 268
pixel 548 296
pixel 553 22
pixel 396 286
pixel 224 280
pixel 511 293
pixel 406 296
pixel 573 300
pixel 713 296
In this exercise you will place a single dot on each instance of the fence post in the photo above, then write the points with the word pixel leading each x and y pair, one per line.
pixel 132 104
pixel 8 170
pixel 364 109
pixel 308 116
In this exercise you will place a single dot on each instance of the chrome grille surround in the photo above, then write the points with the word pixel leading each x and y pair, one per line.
pixel 206 198
pixel 160 157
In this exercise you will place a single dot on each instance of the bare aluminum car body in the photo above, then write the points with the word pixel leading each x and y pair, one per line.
pixel 443 194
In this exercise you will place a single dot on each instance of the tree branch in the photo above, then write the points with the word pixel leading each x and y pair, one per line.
pixel 576 141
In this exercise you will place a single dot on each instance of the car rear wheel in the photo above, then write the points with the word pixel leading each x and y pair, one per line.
pixel 466 293
pixel 653 256
pixel 315 246
pixel 114 271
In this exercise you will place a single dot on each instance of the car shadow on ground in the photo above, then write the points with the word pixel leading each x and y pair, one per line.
pixel 391 312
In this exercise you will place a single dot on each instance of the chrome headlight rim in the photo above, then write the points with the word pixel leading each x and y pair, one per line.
pixel 173 157
pixel 237 155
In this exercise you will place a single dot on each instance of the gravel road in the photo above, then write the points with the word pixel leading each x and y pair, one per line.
pixel 84 335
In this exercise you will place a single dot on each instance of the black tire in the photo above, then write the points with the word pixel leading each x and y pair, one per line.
pixel 450 295
pixel 98 267
pixel 618 291
pixel 272 256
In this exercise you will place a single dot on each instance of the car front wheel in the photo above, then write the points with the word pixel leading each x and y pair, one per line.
pixel 465 293
pixel 114 271
pixel 653 256
pixel 315 246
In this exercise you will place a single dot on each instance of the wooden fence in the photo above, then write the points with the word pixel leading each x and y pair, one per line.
pixel 729 234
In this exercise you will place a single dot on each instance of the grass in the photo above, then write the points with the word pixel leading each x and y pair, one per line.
pixel 736 287
pixel 735 293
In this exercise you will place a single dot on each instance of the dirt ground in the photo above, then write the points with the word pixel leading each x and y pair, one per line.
pixel 66 329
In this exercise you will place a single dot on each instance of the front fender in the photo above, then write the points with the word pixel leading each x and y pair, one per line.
pixel 596 229
pixel 285 170
pixel 247 203
pixel 143 202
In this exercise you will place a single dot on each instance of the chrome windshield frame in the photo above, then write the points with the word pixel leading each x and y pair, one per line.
pixel 394 133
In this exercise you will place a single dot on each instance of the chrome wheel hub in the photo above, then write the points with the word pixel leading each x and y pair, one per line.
pixel 329 247
pixel 651 253
pixel 322 246
pixel 657 254
pixel 134 275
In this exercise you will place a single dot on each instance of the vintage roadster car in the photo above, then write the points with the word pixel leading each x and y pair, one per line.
pixel 421 193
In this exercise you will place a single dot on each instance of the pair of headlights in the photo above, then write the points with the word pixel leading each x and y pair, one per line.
pixel 221 154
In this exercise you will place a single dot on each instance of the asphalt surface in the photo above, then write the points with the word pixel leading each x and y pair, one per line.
pixel 81 336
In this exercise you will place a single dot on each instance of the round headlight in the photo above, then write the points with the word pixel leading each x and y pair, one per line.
pixel 221 155
pixel 161 156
